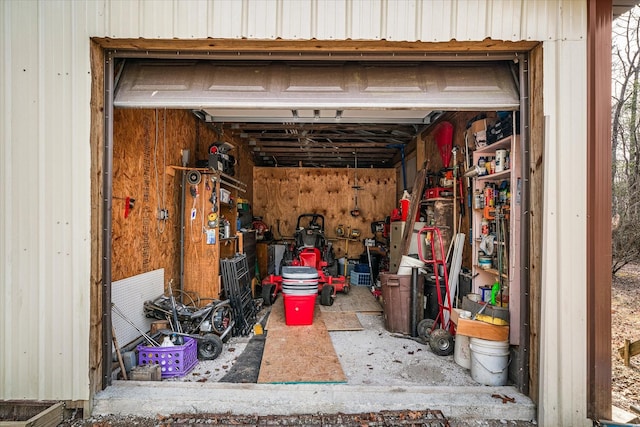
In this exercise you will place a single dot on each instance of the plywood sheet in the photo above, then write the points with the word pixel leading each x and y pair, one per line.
pixel 359 300
pixel 276 315
pixel 286 193
pixel 341 321
pixel 299 354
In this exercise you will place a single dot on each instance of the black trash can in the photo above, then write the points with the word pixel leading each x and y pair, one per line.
pixel 431 296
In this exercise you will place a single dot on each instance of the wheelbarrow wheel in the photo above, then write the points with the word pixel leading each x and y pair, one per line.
pixel 209 347
pixel 424 328
pixel 269 294
pixel 441 342
pixel 326 295
pixel 346 289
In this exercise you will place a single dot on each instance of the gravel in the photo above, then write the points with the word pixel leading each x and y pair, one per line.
pixel 625 324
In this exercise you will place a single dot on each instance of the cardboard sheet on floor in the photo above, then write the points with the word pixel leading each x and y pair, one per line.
pixel 299 354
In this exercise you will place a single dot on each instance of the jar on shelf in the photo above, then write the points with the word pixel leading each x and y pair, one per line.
pixel 478 200
pixel 484 226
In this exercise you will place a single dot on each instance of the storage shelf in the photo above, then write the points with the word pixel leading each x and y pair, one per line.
pixel 495 176
pixel 502 144
pixel 491 271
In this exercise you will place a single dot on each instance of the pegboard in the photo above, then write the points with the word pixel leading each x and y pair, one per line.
pixel 129 296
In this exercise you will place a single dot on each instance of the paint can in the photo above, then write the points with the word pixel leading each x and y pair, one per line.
pixel 501 158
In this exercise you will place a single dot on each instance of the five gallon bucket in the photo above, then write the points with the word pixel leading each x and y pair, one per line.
pixel 462 352
pixel 489 361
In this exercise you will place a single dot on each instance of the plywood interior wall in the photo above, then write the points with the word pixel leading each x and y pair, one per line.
pixel 282 194
pixel 146 144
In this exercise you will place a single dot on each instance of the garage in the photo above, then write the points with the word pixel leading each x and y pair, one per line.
pixel 91 164
pixel 213 158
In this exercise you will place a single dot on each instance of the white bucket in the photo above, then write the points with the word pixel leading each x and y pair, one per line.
pixel 462 352
pixel 407 263
pixel 489 361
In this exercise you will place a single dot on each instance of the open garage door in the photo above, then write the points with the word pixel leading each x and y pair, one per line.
pixel 403 92
pixel 316 113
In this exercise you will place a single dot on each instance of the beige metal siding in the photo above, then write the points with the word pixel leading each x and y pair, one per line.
pixel 563 316
pixel 393 20
pixel 45 204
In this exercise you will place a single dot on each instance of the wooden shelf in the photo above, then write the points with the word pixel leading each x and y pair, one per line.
pixel 495 176
pixel 502 144
pixel 492 271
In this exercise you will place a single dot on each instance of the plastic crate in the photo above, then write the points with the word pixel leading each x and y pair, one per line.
pixel 360 279
pixel 174 361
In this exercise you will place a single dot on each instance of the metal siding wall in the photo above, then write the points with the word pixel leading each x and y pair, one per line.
pixel 563 323
pixel 45 168
pixel 396 20
pixel 334 25
pixel 45 210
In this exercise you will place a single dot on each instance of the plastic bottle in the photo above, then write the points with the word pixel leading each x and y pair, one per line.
pixel 482 166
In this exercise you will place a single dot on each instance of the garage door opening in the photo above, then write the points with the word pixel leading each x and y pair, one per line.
pixel 300 139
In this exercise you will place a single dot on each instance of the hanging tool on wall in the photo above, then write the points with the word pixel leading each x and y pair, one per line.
pixel 356 211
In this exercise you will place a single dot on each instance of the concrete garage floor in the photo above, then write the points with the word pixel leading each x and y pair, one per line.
pixel 385 372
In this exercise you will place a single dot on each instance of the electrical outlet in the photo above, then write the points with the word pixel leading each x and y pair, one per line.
pixel 163 214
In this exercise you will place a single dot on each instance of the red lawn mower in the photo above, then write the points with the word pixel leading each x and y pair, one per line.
pixel 310 249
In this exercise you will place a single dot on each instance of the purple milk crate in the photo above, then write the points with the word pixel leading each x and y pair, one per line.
pixel 174 361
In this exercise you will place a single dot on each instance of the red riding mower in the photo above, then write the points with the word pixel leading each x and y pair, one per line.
pixel 310 249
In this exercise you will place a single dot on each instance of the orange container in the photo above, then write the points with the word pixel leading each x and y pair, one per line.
pixel 298 309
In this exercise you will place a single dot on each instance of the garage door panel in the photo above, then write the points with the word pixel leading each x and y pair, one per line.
pixel 330 86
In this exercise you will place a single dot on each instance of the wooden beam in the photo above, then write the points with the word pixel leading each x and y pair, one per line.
pixel 335 47
pixel 416 196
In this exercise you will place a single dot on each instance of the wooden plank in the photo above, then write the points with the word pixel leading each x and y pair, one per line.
pixel 486 331
pixel 532 313
pixel 628 350
pixel 31 414
pixel 416 195
pixel 99 369
pixel 348 46
pixel 359 299
pixel 299 354
pixel 341 321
